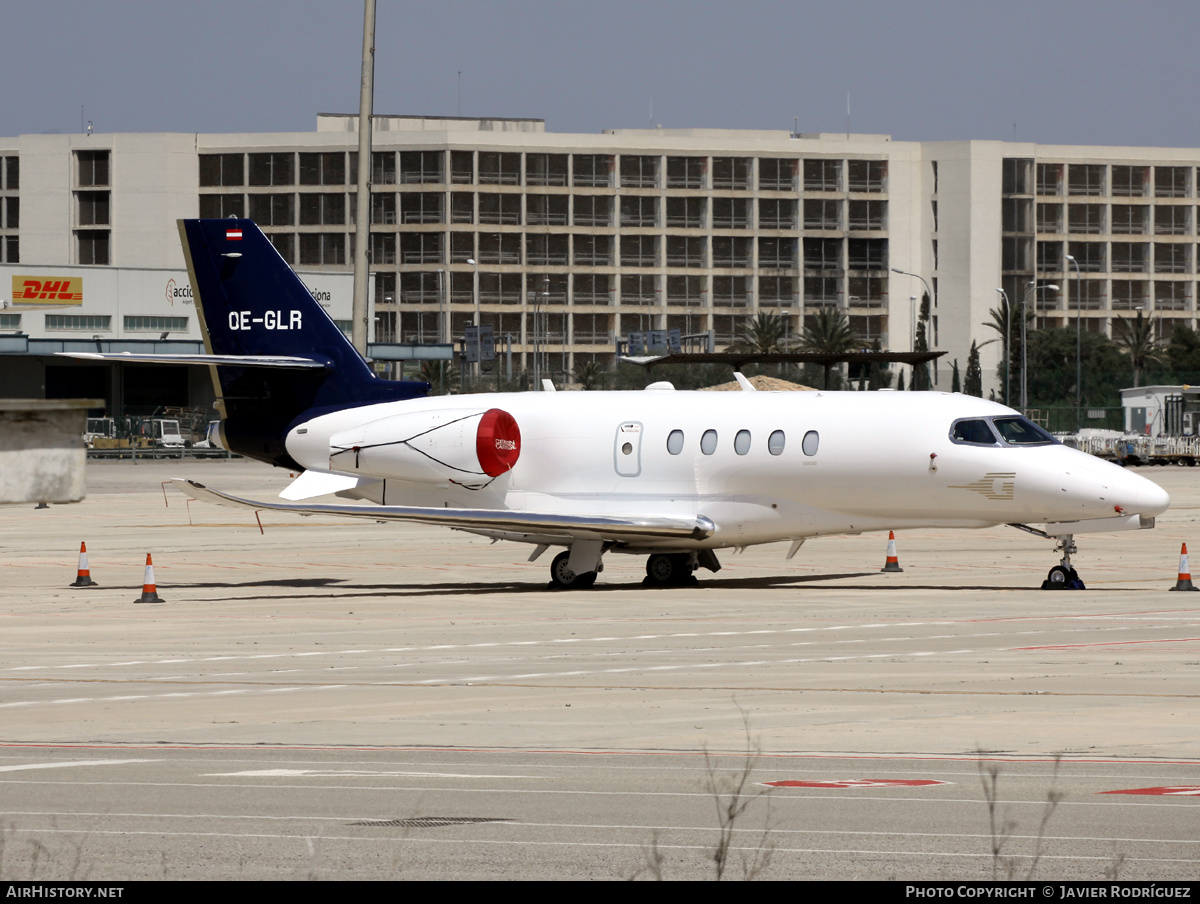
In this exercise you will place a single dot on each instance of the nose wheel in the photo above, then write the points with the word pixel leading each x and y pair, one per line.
pixel 1063 576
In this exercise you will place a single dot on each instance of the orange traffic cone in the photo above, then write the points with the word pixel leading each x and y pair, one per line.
pixel 84 577
pixel 1184 581
pixel 892 564
pixel 149 591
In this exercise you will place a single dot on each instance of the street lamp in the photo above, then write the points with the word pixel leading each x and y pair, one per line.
pixel 475 298
pixel 1078 341
pixel 1033 287
pixel 912 317
pixel 1007 344
pixel 537 363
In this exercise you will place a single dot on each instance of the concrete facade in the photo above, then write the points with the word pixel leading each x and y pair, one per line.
pixel 570 242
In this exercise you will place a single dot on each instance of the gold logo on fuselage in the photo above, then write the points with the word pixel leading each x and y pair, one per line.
pixel 996 485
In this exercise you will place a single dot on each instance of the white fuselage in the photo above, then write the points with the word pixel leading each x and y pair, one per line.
pixel 872 461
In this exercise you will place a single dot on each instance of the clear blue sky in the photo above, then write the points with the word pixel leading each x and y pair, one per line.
pixel 1062 71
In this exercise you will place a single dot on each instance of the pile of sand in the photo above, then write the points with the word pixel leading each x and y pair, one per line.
pixel 761 383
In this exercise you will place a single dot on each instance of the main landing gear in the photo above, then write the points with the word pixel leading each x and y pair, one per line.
pixel 563 578
pixel 671 569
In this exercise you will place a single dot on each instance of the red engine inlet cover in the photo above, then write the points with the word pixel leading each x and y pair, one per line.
pixel 497 442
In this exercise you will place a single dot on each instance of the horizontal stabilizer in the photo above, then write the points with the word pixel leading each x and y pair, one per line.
pixel 612 527
pixel 289 362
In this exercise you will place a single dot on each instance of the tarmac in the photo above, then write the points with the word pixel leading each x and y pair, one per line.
pixel 343 643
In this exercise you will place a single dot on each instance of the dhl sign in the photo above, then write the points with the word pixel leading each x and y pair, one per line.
pixel 56 290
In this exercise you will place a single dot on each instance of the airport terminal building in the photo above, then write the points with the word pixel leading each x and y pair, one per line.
pixel 569 243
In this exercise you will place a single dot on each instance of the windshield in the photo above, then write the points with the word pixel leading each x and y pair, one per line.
pixel 1020 431
pixel 1012 430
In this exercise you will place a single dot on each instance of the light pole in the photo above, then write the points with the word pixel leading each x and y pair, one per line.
pixel 537 362
pixel 475 298
pixel 1078 341
pixel 1007 344
pixel 912 319
pixel 1033 288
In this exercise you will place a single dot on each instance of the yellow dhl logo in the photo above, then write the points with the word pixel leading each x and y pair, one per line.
pixel 47 290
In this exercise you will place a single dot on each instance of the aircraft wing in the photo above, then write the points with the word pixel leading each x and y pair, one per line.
pixel 611 527
pixel 286 361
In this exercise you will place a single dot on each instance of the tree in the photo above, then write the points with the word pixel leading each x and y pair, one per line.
pixel 973 384
pixel 1006 319
pixel 766 333
pixel 590 375
pixel 955 381
pixel 1052 368
pixel 827 331
pixel 1138 339
pixel 920 372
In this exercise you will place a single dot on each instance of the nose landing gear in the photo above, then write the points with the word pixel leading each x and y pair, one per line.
pixel 1062 576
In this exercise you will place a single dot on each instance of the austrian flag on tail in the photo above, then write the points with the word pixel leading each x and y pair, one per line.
pixel 233 235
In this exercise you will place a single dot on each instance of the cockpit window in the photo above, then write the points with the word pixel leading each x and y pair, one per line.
pixel 972 431
pixel 1019 431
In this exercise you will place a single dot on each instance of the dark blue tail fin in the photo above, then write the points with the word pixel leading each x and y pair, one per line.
pixel 251 303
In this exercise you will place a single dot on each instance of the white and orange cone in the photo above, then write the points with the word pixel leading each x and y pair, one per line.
pixel 149 591
pixel 83 577
pixel 1184 582
pixel 892 564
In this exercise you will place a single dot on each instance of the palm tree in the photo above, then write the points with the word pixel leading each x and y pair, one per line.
pixel 1005 321
pixel 765 333
pixel 1139 339
pixel 590 375
pixel 827 331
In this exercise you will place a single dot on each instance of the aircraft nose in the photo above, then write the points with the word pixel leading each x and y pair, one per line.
pixel 1152 500
pixel 1137 495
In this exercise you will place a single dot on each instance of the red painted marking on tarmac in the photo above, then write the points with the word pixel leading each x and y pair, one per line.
pixel 1111 643
pixel 1174 790
pixel 859 783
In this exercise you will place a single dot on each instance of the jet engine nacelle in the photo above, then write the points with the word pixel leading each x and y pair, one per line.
pixel 468 447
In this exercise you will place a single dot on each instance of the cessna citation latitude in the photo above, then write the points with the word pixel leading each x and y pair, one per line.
pixel 673 476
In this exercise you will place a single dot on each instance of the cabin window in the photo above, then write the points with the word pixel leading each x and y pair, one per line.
pixel 675 442
pixel 708 442
pixel 972 432
pixel 775 442
pixel 810 442
pixel 741 442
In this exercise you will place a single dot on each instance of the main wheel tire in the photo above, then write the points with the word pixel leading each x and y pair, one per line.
pixel 662 569
pixel 562 577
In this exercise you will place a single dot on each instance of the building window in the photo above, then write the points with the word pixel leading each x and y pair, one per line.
pixel 546 169
pixel 92 168
pixel 731 172
pixel 217 206
pixel 285 244
pixel 686 172
pixel 322 169
pixel 92 246
pixel 595 210
pixel 322 248
pixel 10 321
pixel 91 322
pixel 866 175
pixel 12 212
pixel 421 167
pixel 12 177
pixel 323 210
pixel 272 169
pixel 273 210
pixel 140 324
pixel 12 249
pixel 593 170
pixel 93 208
pixel 639 171
pixel 822 175
pixel 776 174
pixel 222 169
pixel 499 169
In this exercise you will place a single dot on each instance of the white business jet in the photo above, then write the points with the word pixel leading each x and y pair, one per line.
pixel 673 476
